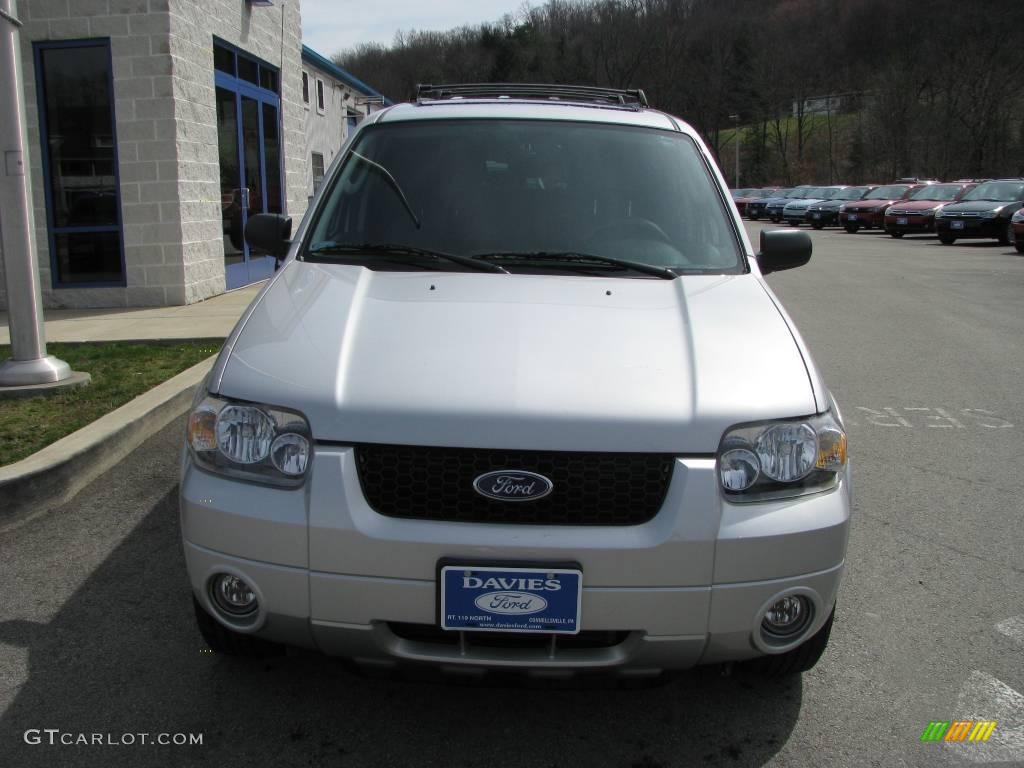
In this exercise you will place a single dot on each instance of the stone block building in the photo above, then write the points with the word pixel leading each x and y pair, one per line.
pixel 156 128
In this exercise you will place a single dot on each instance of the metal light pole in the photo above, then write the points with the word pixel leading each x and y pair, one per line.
pixel 29 363
pixel 736 134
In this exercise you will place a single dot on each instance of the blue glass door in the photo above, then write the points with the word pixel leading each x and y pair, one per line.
pixel 250 159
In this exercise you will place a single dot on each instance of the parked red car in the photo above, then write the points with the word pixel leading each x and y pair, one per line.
pixel 869 211
pixel 1017 225
pixel 916 212
pixel 753 194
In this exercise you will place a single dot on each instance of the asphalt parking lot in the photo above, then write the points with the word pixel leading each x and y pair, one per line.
pixel 922 346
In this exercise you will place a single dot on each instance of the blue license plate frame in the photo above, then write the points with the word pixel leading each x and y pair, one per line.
pixel 516 599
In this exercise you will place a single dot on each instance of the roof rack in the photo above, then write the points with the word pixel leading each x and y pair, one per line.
pixel 631 99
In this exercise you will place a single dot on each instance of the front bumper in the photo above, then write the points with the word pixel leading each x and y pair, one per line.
pixel 911 223
pixel 863 219
pixel 971 227
pixel 822 218
pixel 681 590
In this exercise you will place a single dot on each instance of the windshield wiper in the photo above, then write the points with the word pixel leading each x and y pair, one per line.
pixel 577 257
pixel 392 182
pixel 393 249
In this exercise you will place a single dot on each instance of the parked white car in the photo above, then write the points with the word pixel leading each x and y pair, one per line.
pixel 519 397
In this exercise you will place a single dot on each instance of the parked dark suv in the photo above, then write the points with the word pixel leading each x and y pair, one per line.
pixel 984 212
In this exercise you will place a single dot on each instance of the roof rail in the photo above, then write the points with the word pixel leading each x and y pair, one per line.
pixel 615 97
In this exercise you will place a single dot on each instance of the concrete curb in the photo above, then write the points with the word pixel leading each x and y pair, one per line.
pixel 52 476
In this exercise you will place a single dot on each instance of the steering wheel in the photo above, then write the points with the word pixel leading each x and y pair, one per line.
pixel 624 227
pixel 660 249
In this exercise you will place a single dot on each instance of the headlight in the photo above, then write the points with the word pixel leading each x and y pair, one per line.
pixel 991 214
pixel 779 459
pixel 940 214
pixel 1019 215
pixel 249 441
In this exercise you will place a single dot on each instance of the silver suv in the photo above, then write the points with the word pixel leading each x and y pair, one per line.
pixel 519 397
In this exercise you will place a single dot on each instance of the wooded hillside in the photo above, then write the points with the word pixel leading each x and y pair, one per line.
pixel 931 88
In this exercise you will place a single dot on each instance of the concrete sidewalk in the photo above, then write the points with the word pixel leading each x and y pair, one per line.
pixel 208 319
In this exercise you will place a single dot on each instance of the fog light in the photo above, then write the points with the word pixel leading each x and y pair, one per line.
pixel 787 616
pixel 232 595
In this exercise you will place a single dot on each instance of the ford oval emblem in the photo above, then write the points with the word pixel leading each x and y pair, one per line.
pixel 513 485
pixel 511 603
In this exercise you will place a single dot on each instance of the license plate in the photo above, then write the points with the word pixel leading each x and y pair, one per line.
pixel 901 220
pixel 522 600
pixel 815 215
pixel 956 225
pixel 851 217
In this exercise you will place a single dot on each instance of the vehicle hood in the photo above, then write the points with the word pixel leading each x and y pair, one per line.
pixel 518 361
pixel 868 205
pixel 978 206
pixel 920 205
pixel 830 205
pixel 797 205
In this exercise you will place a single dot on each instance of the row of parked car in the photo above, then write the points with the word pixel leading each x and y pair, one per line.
pixel 962 209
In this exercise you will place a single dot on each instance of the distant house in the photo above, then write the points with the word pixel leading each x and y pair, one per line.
pixel 819 105
pixel 335 101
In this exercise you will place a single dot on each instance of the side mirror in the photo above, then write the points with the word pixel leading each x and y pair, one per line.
pixel 270 232
pixel 783 249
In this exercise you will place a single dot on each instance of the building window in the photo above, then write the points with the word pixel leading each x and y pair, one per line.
pixel 318 171
pixel 76 121
pixel 320 96
pixel 305 88
pixel 352 117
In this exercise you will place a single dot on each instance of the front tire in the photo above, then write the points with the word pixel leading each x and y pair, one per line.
pixel 230 643
pixel 817 225
pixel 897 235
pixel 946 239
pixel 1019 246
pixel 851 228
pixel 800 659
pixel 1006 236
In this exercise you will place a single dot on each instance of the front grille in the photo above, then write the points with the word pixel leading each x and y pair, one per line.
pixel 426 483
pixel 428 633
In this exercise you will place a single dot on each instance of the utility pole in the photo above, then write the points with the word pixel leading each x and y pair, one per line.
pixel 29 363
pixel 736 134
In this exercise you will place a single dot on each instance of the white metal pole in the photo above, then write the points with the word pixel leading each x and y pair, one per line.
pixel 29 363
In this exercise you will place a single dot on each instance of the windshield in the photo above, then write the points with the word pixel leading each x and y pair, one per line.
pixel 997 191
pixel 795 194
pixel 480 187
pixel 937 192
pixel 852 193
pixel 828 193
pixel 891 192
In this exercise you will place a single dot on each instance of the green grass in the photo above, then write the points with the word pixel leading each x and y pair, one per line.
pixel 120 371
pixel 815 125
